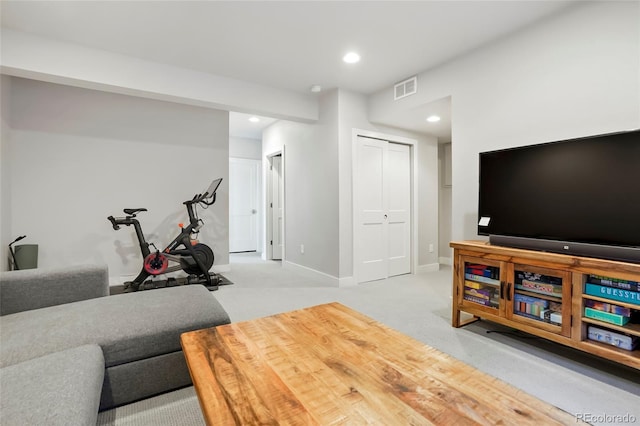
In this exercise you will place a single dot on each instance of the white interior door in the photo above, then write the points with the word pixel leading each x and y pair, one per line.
pixel 372 209
pixel 383 191
pixel 277 189
pixel 243 204
pixel 399 208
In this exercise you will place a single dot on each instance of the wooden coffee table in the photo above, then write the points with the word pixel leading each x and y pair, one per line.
pixel 328 365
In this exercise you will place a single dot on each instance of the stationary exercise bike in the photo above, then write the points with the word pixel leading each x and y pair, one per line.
pixel 187 254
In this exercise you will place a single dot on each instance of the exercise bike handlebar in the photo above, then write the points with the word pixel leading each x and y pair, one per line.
pixel 210 193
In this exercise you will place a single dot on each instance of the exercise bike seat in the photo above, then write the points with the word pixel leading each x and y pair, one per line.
pixel 134 211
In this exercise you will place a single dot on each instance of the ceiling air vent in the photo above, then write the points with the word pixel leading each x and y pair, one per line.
pixel 405 88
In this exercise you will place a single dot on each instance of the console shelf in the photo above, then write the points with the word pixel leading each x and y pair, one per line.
pixel 484 285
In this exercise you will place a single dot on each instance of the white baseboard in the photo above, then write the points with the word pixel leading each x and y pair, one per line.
pixel 346 282
pixel 327 279
pixel 445 261
pixel 429 267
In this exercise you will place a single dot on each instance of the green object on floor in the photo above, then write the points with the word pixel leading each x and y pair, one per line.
pixel 26 256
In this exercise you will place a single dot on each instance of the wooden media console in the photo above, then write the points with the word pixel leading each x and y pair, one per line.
pixel 589 304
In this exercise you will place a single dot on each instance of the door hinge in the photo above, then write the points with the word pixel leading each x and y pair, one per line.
pixel 271 242
pixel 271 205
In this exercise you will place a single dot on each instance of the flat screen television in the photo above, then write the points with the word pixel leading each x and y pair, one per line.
pixel 578 196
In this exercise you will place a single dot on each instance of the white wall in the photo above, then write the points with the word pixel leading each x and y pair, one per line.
pixel 353 114
pixel 31 56
pixel 80 155
pixel 444 208
pixel 245 148
pixel 6 235
pixel 318 187
pixel 572 75
pixel 311 185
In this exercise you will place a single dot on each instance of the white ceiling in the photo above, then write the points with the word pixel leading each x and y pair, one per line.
pixel 289 45
pixel 241 127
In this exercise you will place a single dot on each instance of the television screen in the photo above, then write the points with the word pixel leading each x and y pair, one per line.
pixel 581 190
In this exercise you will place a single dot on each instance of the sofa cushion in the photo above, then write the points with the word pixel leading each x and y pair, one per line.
pixel 38 288
pixel 57 389
pixel 128 327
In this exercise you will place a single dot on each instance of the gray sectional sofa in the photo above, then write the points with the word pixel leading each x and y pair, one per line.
pixel 68 349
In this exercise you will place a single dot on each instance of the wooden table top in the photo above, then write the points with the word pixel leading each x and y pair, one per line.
pixel 329 364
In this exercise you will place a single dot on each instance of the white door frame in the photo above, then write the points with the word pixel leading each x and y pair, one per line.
pixel 413 149
pixel 268 252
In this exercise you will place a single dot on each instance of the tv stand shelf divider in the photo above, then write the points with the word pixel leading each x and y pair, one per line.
pixel 541 294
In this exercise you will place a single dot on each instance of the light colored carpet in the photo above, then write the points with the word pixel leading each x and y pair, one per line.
pixel 419 306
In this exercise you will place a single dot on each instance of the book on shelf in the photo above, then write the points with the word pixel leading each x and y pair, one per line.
pixel 605 316
pixel 614 282
pixel 612 338
pixel 540 287
pixel 607 307
pixel 618 294
pixel 479 292
pixel 478 285
pixel 482 272
pixel 482 279
pixel 546 315
pixel 530 299
pixel 539 278
pixel 530 305
pixel 551 316
pixel 479 300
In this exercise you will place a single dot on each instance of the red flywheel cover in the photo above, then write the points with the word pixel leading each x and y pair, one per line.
pixel 156 263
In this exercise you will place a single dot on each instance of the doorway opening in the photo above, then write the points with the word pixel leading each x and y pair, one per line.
pixel 244 205
pixel 275 217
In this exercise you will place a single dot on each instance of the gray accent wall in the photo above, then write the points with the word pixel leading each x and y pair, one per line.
pixel 79 155
pixel 6 235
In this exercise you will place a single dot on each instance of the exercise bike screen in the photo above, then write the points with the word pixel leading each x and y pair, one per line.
pixel 213 188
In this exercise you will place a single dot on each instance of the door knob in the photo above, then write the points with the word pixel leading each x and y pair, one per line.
pixel 385 216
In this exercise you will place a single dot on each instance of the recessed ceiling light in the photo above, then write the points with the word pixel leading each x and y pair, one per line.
pixel 254 119
pixel 351 58
pixel 433 119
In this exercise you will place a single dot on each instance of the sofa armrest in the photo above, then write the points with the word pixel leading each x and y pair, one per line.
pixel 38 288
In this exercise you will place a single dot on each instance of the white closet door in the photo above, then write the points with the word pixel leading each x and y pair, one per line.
pixel 383 192
pixel 243 203
pixel 399 208
pixel 372 197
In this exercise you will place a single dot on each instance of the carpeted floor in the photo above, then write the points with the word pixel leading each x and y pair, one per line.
pixel 419 306
pixel 174 408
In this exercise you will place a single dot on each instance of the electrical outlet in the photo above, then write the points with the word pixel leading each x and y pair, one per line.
pixel 301 248
pixel 430 248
